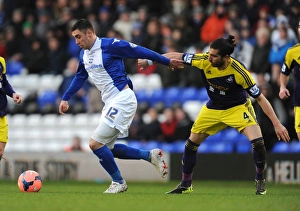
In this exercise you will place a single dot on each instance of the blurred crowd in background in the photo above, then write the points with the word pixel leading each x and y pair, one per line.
pixel 35 39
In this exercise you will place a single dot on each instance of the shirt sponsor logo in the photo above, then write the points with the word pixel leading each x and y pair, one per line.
pixel 95 66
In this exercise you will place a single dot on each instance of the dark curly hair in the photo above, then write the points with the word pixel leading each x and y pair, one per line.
pixel 82 25
pixel 225 46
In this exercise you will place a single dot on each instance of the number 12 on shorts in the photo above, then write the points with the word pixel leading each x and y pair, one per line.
pixel 111 114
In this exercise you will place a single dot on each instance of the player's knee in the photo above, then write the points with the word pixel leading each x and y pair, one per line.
pixel 258 143
pixel 191 145
pixel 94 144
pixel 2 147
pixel 259 146
pixel 298 135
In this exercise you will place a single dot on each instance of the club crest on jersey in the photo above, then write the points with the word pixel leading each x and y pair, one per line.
pixel 132 45
pixel 208 72
pixel 115 40
pixel 229 80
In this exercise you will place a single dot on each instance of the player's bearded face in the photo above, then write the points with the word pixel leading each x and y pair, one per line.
pixel 217 62
pixel 215 59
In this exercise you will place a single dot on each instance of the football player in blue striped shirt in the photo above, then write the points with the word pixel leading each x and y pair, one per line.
pixel 101 59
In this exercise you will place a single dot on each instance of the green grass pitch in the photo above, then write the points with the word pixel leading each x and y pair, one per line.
pixel 144 196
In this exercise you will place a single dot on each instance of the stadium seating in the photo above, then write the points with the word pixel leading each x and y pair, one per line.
pixel 243 146
pixel 146 82
pixel 204 147
pixel 294 147
pixel 47 99
pixel 156 96
pixel 31 82
pixel 203 96
pixel 178 146
pixel 166 147
pixel 189 93
pixel 218 137
pixel 51 132
pixel 135 144
pixel 172 95
pixel 153 82
pixel 14 68
pixel 142 96
pixel 148 89
pixel 139 81
pixel 281 147
pixel 220 148
pixel 49 82
pixel 192 108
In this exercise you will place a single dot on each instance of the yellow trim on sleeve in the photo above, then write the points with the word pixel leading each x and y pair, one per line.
pixel 2 61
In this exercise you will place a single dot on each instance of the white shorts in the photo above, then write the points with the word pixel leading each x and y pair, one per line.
pixel 118 114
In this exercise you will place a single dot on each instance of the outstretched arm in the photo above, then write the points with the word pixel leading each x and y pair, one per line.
pixel 124 49
pixel 175 61
pixel 280 130
pixel 284 92
pixel 173 55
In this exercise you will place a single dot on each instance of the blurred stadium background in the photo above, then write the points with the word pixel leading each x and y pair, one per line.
pixel 38 136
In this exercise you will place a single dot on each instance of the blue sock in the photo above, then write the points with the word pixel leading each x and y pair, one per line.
pixel 123 151
pixel 106 159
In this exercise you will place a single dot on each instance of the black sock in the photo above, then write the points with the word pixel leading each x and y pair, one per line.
pixel 259 156
pixel 189 159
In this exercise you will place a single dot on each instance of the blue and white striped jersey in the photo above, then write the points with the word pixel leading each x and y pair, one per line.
pixel 103 63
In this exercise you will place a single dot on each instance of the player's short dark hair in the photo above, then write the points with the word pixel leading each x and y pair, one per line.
pixel 225 46
pixel 83 25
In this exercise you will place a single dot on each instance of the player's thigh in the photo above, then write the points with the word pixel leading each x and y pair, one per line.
pixel 120 111
pixel 297 118
pixel 198 138
pixel 252 132
pixel 208 121
pixel 3 129
pixel 240 117
pixel 105 135
pixel 2 147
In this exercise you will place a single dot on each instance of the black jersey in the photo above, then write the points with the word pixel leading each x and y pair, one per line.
pixel 292 63
pixel 226 88
pixel 5 88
